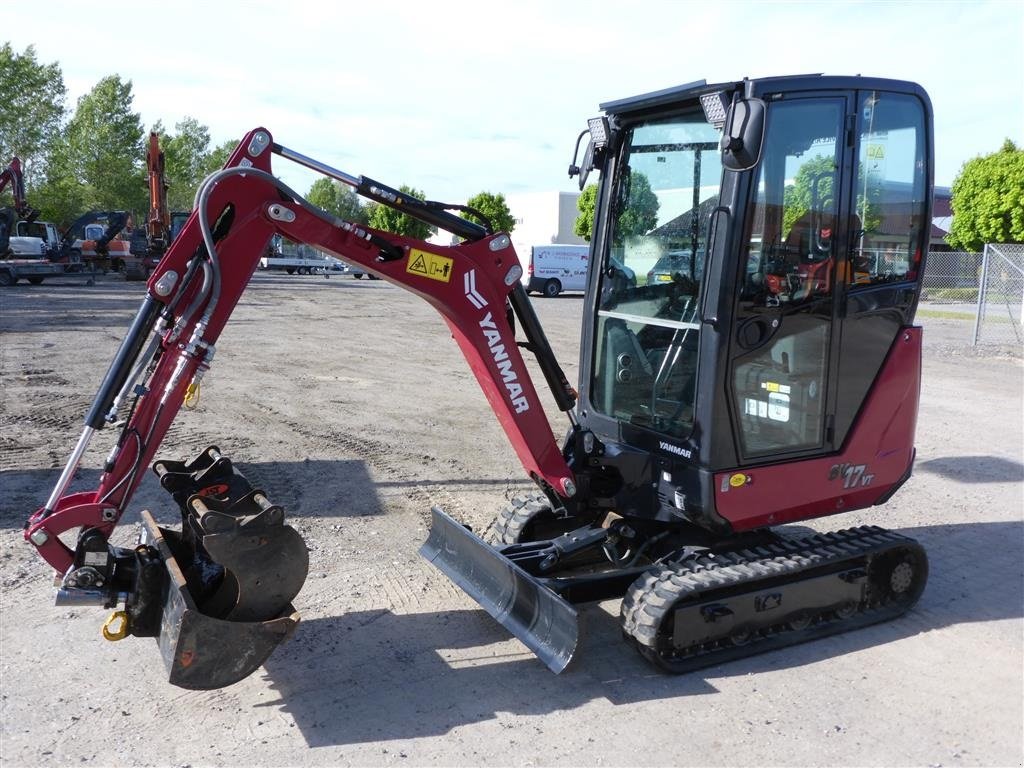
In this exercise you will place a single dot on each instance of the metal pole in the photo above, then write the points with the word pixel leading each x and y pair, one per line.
pixel 982 282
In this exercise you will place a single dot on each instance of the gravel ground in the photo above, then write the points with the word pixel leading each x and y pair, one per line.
pixel 349 404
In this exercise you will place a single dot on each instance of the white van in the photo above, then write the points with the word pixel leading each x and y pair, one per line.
pixel 551 269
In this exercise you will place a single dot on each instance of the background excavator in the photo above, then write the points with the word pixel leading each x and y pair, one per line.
pixel 771 377
pixel 12 177
pixel 93 242
pixel 148 245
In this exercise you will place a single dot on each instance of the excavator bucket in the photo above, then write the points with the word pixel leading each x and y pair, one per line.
pixel 217 594
pixel 201 652
pixel 541 618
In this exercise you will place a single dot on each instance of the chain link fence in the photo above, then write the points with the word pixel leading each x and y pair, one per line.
pixel 951 280
pixel 1000 296
pixel 976 297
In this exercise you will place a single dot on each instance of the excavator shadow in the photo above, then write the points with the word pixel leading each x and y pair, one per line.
pixel 378 675
pixel 308 489
pixel 975 469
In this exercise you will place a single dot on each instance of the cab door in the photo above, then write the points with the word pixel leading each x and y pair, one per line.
pixel 889 225
pixel 781 360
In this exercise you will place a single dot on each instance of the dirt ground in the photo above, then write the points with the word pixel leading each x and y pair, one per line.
pixel 347 401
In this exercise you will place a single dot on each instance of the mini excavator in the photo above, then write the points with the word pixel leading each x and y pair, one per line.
pixel 771 376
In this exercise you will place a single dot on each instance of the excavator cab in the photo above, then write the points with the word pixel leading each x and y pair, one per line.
pixel 803 232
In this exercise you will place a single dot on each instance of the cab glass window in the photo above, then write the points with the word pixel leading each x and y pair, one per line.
pixel 888 218
pixel 665 187
pixel 784 313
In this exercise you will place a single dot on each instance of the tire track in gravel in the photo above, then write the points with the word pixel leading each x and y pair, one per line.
pixel 389 462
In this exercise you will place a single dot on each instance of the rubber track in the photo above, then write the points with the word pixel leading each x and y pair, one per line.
pixel 650 600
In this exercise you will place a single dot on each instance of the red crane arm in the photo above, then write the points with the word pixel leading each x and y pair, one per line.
pixel 197 285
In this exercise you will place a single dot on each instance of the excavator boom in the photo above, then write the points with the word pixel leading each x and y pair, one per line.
pixel 12 177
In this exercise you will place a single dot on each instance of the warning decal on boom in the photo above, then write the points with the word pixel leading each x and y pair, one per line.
pixel 430 265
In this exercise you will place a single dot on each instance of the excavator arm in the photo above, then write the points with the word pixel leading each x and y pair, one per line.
pixel 172 342
pixel 12 177
pixel 158 221
pixel 196 287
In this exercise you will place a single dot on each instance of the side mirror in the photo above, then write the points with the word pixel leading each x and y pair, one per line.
pixel 743 134
pixel 588 163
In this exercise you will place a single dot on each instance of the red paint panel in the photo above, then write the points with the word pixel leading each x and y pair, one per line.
pixel 877 455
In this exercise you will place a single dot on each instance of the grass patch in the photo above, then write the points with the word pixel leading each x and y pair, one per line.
pixel 952 294
pixel 944 315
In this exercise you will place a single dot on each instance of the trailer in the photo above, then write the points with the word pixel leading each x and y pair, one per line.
pixel 294 265
pixel 34 270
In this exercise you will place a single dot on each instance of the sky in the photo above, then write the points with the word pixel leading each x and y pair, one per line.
pixel 455 98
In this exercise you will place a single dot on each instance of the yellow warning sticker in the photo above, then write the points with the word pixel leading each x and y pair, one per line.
pixel 771 386
pixel 430 265
pixel 737 480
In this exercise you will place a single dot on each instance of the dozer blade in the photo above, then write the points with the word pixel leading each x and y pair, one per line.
pixel 199 651
pixel 543 620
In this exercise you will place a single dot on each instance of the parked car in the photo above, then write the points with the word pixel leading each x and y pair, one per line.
pixel 619 277
pixel 676 263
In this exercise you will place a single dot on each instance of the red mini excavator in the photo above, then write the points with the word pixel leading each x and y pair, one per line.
pixel 770 375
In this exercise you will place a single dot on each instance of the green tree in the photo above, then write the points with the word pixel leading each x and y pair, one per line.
pixel 350 205
pixel 60 197
pixel 637 217
pixel 988 200
pixel 585 204
pixel 388 219
pixel 186 153
pixel 215 160
pixel 495 208
pixel 31 110
pixel 815 178
pixel 640 214
pixel 105 147
pixel 338 200
pixel 820 172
